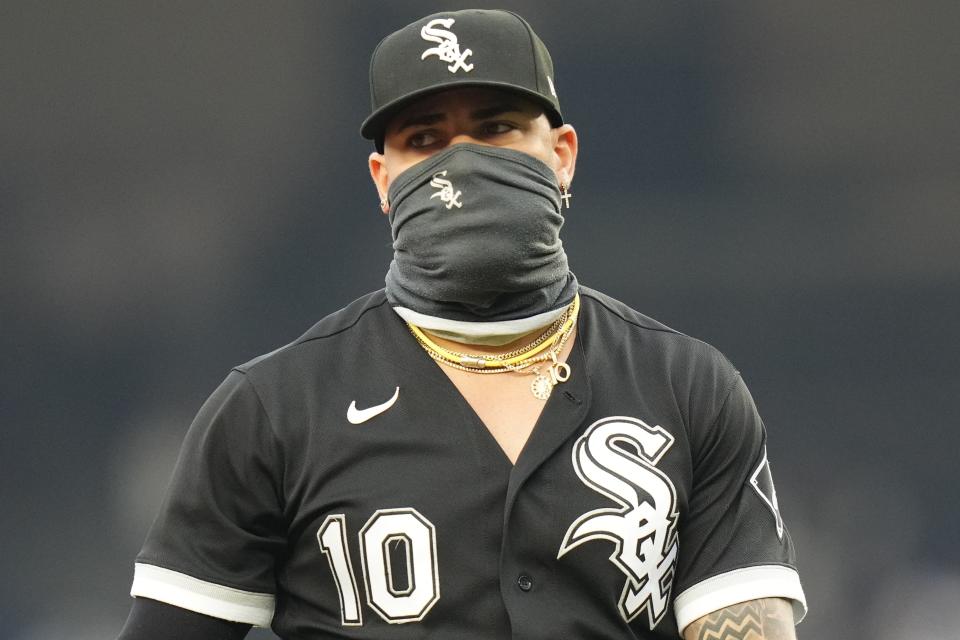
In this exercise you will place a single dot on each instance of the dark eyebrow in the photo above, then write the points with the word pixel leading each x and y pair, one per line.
pixel 422 119
pixel 426 119
pixel 494 111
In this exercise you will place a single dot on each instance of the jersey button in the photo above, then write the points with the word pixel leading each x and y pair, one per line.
pixel 525 582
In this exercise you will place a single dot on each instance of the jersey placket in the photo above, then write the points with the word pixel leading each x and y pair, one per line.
pixel 524 574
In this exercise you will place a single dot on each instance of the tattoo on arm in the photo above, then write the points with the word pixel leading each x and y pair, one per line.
pixel 767 619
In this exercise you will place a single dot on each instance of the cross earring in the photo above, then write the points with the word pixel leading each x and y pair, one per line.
pixel 565 195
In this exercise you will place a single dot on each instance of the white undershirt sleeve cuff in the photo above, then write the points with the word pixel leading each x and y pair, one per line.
pixel 740 585
pixel 197 595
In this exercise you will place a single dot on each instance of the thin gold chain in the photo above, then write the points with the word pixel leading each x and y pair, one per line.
pixel 566 324
pixel 552 354
pixel 548 333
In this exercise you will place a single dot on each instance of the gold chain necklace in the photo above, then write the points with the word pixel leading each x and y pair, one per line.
pixel 527 359
pixel 557 372
pixel 479 361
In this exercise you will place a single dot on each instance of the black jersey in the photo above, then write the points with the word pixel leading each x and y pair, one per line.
pixel 341 487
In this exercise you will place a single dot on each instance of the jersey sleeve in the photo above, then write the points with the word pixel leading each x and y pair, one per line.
pixel 152 620
pixel 733 544
pixel 212 548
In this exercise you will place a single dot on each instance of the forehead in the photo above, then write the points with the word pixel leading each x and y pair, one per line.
pixel 464 99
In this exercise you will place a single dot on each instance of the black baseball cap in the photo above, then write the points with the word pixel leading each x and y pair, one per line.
pixel 470 48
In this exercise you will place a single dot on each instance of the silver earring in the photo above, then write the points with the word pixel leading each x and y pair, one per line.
pixel 384 205
pixel 565 195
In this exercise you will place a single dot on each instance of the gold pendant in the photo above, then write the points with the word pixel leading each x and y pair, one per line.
pixel 559 372
pixel 541 386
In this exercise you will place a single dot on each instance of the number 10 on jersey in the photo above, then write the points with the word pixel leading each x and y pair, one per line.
pixel 396 599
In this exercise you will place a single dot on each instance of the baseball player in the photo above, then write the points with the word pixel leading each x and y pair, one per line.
pixel 485 448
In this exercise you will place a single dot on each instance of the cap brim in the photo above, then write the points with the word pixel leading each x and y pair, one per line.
pixel 374 127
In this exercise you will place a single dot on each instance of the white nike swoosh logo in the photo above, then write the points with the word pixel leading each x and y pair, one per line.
pixel 356 416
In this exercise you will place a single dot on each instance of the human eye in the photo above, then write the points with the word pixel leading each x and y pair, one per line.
pixel 422 139
pixel 496 128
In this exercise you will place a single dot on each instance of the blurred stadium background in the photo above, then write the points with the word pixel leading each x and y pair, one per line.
pixel 182 187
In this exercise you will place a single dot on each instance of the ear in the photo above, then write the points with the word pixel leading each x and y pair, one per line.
pixel 565 147
pixel 381 178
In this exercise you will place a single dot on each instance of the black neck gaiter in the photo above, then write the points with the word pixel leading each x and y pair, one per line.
pixel 476 237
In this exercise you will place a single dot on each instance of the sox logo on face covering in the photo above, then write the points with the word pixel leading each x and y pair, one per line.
pixel 446 192
pixel 449 48
pixel 616 457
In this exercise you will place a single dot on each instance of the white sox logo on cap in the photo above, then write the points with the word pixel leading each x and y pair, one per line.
pixel 446 192
pixel 449 48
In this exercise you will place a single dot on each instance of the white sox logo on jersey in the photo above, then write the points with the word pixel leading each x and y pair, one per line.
pixel 448 49
pixel 616 457
pixel 446 192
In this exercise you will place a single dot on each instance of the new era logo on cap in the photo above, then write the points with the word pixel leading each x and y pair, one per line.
pixel 449 49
